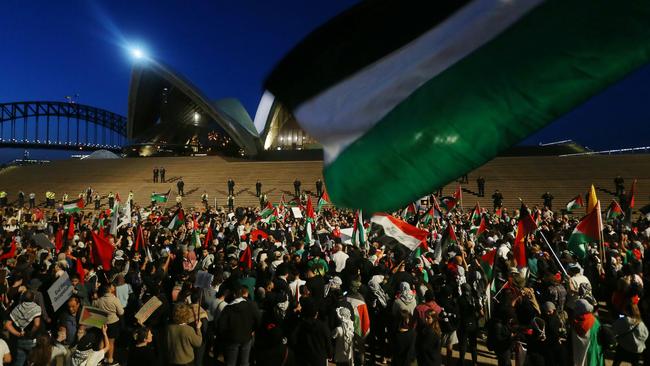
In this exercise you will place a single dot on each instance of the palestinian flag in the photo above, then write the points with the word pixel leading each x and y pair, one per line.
pixel 281 207
pixel 160 197
pixel 448 203
pixel 384 88
pixel 591 199
pixel 432 213
pixel 458 195
pixel 525 226
pixel 358 230
pixel 73 206
pixel 499 212
pixel 476 215
pixel 272 217
pixel 487 263
pixel 630 195
pixel 408 235
pixel 323 200
pixel 480 229
pixel 614 211
pixel 267 211
pixel 448 238
pixel 587 231
pixel 177 221
pixel 93 317
pixel 409 212
pixel 575 203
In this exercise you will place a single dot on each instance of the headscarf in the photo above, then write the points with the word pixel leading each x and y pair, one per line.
pixel 347 326
pixel 375 286
pixel 405 293
pixel 335 283
pixel 24 313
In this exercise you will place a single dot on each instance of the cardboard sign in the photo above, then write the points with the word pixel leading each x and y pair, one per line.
pixel 296 212
pixel 147 309
pixel 203 279
pixel 60 291
pixel 93 317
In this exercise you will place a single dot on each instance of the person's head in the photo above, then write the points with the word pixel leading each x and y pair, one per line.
pixel 73 304
pixel 28 296
pixel 431 320
pixel 74 279
pixel 106 289
pixel 142 336
pixel 548 308
pixel 41 354
pixel 182 314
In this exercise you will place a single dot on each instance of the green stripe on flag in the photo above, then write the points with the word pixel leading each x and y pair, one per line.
pixel 553 59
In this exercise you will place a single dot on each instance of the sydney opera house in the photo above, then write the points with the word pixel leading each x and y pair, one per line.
pixel 167 115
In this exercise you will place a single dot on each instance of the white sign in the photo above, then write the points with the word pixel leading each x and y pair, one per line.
pixel 60 291
pixel 296 212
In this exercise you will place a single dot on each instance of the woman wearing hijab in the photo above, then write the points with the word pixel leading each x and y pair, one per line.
pixel 584 336
pixel 405 300
pixel 377 308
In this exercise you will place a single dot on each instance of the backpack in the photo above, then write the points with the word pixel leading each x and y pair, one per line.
pixel 607 338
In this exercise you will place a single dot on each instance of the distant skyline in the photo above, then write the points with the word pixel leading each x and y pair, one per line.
pixel 53 49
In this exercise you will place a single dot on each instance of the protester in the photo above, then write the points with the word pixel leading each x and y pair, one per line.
pixel 283 290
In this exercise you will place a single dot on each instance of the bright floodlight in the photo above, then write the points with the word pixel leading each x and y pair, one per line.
pixel 137 53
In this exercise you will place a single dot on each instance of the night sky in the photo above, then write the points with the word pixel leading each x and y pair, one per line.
pixel 51 49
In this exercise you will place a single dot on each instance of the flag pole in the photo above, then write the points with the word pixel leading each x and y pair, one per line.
pixel 553 252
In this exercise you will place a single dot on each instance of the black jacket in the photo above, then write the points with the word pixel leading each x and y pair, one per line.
pixel 311 341
pixel 238 321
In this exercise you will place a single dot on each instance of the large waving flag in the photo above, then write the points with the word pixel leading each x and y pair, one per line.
pixel 408 235
pixel 385 88
pixel 73 206
pixel 587 231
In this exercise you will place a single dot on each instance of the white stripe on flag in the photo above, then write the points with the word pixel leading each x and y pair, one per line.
pixel 392 230
pixel 344 112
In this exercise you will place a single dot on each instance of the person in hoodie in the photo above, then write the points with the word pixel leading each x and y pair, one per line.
pixel 586 349
pixel 235 328
pixel 631 334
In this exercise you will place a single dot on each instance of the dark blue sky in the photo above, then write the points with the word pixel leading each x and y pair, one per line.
pixel 51 49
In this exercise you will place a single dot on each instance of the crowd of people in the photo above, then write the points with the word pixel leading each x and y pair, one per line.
pixel 297 291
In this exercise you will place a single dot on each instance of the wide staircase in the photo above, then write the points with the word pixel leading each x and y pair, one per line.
pixel 516 177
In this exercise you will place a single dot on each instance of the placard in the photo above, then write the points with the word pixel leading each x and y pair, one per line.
pixel 296 212
pixel 60 291
pixel 147 309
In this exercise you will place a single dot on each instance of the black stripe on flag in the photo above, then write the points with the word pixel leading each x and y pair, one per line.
pixel 355 38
